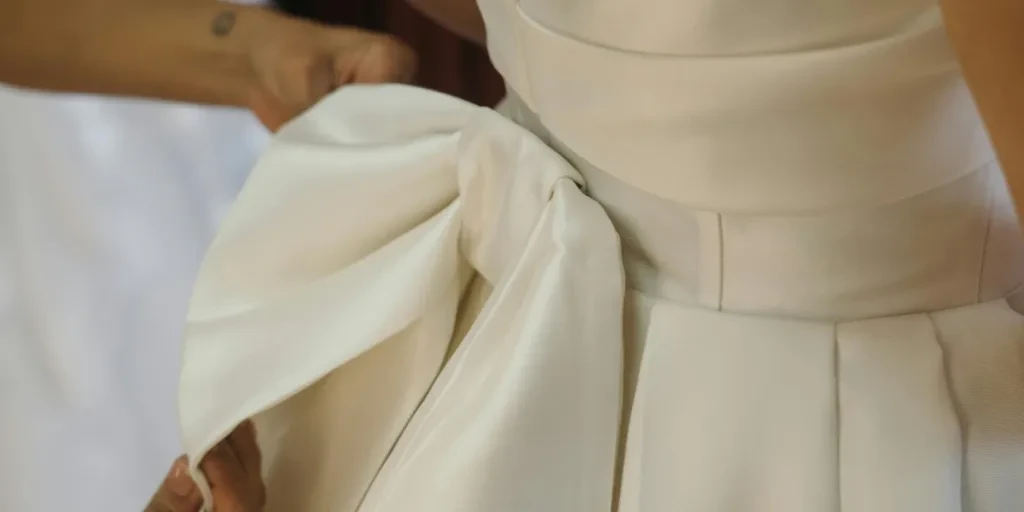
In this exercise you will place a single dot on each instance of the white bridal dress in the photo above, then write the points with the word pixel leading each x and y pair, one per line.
pixel 715 256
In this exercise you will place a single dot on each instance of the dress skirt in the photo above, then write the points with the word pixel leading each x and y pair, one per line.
pixel 425 306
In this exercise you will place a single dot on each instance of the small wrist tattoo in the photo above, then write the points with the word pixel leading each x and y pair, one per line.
pixel 223 23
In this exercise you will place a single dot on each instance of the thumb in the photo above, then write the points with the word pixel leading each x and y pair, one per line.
pixel 269 112
pixel 178 491
pixel 275 109
pixel 378 59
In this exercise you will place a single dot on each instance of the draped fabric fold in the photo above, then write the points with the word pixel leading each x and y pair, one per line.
pixel 327 307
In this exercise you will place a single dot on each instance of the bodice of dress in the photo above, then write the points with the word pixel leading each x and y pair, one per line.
pixel 785 157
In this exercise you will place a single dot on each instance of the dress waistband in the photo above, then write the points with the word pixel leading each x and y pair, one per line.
pixel 952 245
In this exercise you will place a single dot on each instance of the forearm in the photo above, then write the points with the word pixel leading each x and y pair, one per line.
pixel 153 48
pixel 988 39
pixel 460 16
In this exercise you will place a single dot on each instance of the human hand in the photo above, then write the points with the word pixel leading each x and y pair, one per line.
pixel 296 63
pixel 233 470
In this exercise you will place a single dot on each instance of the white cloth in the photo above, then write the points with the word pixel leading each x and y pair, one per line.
pixel 816 243
pixel 106 207
pixel 423 152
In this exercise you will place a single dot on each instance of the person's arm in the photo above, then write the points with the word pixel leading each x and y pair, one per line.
pixel 186 50
pixel 199 51
pixel 988 36
pixel 460 16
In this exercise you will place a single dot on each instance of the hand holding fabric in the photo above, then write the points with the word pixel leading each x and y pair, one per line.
pixel 233 471
pixel 196 52
pixel 302 62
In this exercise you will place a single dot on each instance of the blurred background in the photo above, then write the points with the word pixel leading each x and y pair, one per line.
pixel 106 208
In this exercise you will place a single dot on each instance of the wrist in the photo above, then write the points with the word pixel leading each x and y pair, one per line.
pixel 249 28
pixel 189 51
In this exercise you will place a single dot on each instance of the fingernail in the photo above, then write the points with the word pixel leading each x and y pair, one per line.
pixel 180 481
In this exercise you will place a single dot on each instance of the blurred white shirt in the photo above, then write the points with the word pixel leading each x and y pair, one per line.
pixel 106 208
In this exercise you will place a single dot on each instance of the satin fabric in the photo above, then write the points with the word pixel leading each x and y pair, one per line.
pixel 344 341
pixel 854 122
pixel 299 327
pixel 819 255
